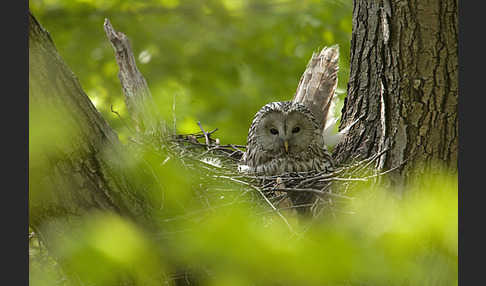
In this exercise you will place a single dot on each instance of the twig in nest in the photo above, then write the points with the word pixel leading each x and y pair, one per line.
pixel 320 176
pixel 319 192
pixel 205 134
pixel 211 132
pixel 361 165
pixel 317 183
pixel 174 117
pixel 265 198
pixel 287 208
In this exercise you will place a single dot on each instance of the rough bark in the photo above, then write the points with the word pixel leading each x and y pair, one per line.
pixel 85 171
pixel 404 81
pixel 403 86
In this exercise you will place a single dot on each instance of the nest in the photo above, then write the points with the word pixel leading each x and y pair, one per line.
pixel 310 193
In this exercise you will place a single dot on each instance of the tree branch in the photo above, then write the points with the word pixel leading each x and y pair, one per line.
pixel 137 94
pixel 318 83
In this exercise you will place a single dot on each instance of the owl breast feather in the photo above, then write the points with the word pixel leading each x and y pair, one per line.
pixel 267 162
pixel 277 166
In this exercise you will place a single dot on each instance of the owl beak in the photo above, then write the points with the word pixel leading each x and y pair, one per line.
pixel 286 145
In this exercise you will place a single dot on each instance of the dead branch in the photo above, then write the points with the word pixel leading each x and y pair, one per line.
pixel 215 162
pixel 137 94
pixel 318 83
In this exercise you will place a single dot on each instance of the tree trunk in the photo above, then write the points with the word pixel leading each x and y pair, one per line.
pixel 403 86
pixel 404 82
pixel 81 167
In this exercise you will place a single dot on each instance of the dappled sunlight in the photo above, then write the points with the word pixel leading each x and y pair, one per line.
pixel 105 248
pixel 204 46
pixel 162 200
pixel 144 57
pixel 384 238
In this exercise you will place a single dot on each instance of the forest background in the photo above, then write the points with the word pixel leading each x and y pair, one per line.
pixel 214 61
pixel 218 62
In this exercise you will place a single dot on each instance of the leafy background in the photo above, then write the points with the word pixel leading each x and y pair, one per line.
pixel 217 61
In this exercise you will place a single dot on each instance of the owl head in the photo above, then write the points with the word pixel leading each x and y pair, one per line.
pixel 283 129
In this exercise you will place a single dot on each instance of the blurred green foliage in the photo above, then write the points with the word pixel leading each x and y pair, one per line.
pixel 215 234
pixel 221 60
pixel 377 238
pixel 216 61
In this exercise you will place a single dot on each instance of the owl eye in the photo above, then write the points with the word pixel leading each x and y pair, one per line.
pixel 274 131
pixel 296 129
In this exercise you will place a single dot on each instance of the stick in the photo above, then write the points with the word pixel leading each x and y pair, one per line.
pixel 320 192
pixel 205 134
pixel 264 197
pixel 137 94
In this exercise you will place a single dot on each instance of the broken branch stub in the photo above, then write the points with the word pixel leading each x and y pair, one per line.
pixel 318 83
pixel 138 98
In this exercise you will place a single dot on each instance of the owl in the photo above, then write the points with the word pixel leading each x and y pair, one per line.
pixel 288 136
pixel 285 137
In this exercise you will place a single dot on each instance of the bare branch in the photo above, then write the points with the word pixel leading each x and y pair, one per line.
pixel 318 83
pixel 137 94
pixel 205 134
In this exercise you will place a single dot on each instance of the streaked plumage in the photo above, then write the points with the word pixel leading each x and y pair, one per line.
pixel 265 153
pixel 288 136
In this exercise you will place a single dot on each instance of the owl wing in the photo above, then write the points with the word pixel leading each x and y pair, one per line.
pixel 318 83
